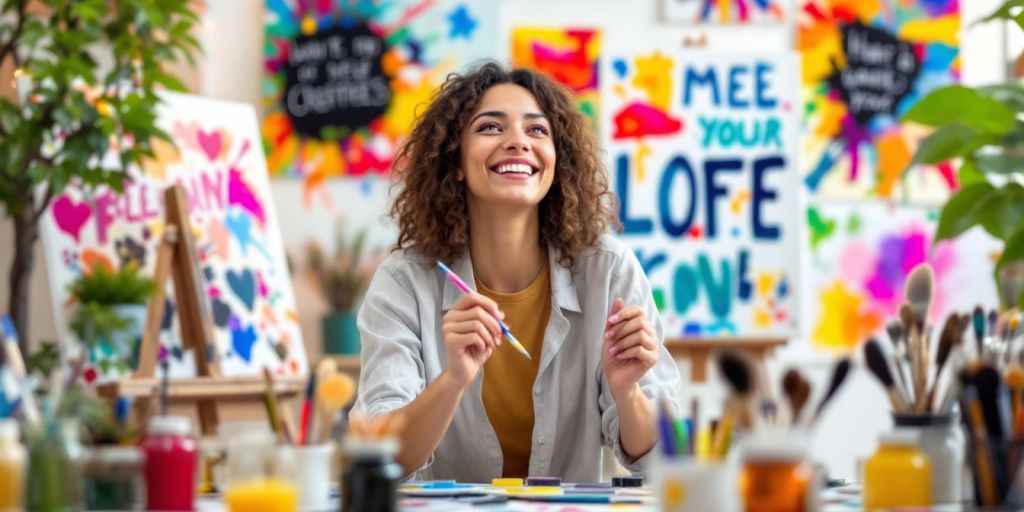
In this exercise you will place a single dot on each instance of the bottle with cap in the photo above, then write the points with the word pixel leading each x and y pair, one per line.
pixel 172 462
pixel 777 474
pixel 12 466
pixel 369 480
pixel 898 459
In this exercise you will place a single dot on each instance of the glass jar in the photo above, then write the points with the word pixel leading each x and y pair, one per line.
pixel 54 478
pixel 12 466
pixel 776 475
pixel 942 440
pixel 172 463
pixel 259 474
pixel 113 478
pixel 369 480
pixel 898 475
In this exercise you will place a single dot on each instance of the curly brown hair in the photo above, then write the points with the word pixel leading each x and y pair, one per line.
pixel 431 210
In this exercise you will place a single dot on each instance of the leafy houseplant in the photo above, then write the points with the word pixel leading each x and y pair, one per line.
pixel 86 75
pixel 342 278
pixel 111 312
pixel 980 127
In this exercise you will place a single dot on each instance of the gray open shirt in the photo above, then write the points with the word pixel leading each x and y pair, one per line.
pixel 403 350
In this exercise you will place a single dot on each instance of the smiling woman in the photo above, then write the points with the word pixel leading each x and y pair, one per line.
pixel 502 181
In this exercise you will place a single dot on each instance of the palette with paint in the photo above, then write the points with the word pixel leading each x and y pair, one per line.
pixel 534 489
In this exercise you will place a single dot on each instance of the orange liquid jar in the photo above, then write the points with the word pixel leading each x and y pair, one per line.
pixel 776 475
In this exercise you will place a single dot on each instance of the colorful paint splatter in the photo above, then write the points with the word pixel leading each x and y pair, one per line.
pixel 724 11
pixel 701 155
pixel 569 55
pixel 861 256
pixel 865 64
pixel 246 280
pixel 343 78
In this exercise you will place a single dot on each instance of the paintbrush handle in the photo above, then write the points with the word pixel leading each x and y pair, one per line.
pixel 898 404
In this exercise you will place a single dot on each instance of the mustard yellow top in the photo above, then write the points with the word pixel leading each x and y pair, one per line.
pixel 508 376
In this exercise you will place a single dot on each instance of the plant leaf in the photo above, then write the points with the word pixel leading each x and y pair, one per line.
pixel 1001 163
pixel 962 210
pixel 956 103
pixel 950 141
pixel 1014 249
pixel 1002 211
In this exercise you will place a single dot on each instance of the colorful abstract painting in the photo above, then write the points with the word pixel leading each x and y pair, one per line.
pixel 861 256
pixel 701 153
pixel 864 64
pixel 569 55
pixel 343 79
pixel 725 11
pixel 219 163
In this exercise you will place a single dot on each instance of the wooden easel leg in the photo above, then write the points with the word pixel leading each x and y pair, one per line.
pixel 208 419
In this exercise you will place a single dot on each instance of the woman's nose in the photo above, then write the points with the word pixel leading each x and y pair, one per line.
pixel 518 141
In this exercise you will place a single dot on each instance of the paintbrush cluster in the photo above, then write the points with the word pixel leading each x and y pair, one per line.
pixel 751 403
pixel 327 391
pixel 913 375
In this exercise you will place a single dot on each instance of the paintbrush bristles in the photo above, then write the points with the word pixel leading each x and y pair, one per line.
pixel 878 363
pixel 838 378
pixel 736 371
pixel 919 290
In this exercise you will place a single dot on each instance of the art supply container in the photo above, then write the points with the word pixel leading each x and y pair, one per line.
pixel 369 479
pixel 259 474
pixel 995 472
pixel 898 475
pixel 686 484
pixel 172 463
pixel 777 475
pixel 54 477
pixel 942 440
pixel 313 469
pixel 114 478
pixel 12 467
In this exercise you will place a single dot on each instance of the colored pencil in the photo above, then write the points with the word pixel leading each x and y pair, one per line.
pixel 464 288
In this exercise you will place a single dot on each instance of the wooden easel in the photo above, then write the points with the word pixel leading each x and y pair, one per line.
pixel 176 257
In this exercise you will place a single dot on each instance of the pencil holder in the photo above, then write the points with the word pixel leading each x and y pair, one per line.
pixel 686 484
pixel 313 470
pixel 941 438
pixel 995 472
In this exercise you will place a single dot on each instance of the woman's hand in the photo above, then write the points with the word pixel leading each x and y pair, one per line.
pixel 471 333
pixel 630 347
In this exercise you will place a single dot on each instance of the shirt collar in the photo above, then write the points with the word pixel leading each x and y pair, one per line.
pixel 563 293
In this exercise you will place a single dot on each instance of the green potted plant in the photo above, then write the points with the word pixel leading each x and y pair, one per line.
pixel 86 75
pixel 979 127
pixel 111 315
pixel 342 278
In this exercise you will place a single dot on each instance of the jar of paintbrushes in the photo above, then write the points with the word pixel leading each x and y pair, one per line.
pixel 925 382
pixel 776 472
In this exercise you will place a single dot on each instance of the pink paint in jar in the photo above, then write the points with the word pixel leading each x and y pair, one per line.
pixel 172 461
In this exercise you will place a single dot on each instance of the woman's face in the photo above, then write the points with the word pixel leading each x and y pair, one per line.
pixel 508 152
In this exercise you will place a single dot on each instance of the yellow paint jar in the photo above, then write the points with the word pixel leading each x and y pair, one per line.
pixel 12 467
pixel 898 475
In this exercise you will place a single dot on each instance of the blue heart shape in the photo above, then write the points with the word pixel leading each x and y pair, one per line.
pixel 244 285
pixel 221 312
pixel 620 67
pixel 242 340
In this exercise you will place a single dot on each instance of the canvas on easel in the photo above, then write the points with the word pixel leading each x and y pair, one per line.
pixel 244 282
pixel 176 260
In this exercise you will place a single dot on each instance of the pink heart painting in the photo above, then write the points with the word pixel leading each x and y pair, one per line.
pixel 70 216
pixel 210 143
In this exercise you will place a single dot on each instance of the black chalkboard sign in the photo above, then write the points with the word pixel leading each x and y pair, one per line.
pixel 334 79
pixel 880 70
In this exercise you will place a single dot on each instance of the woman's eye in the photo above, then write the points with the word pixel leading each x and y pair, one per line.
pixel 539 129
pixel 488 127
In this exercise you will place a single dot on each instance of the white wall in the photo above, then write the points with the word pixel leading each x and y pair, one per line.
pixel 232 67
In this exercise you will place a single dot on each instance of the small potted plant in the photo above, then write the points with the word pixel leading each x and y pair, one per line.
pixel 342 278
pixel 111 315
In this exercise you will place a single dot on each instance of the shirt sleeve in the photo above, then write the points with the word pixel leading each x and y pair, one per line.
pixel 662 381
pixel 392 372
